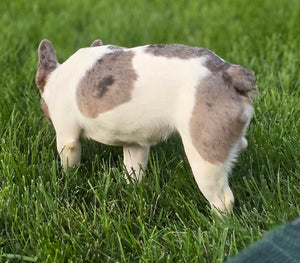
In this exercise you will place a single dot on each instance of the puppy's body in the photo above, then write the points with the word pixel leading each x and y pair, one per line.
pixel 136 97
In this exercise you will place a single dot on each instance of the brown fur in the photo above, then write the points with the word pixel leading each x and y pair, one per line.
pixel 97 43
pixel 176 51
pixel 108 84
pixel 114 47
pixel 243 80
pixel 213 63
pixel 217 121
pixel 45 110
pixel 47 62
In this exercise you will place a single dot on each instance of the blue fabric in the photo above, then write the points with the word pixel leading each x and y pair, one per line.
pixel 281 245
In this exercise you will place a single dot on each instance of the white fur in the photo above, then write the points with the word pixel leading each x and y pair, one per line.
pixel 135 160
pixel 212 179
pixel 162 102
pixel 162 99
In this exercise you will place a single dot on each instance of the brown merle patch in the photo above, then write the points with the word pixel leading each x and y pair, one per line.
pixel 216 121
pixel 47 62
pixel 107 84
pixel 97 43
pixel 112 47
pixel 45 110
pixel 213 62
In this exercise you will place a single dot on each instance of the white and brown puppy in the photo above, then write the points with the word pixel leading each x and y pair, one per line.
pixel 136 97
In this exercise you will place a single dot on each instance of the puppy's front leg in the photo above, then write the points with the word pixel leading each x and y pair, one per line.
pixel 70 152
pixel 135 160
pixel 212 179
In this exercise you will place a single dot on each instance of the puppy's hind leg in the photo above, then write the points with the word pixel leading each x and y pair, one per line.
pixel 135 160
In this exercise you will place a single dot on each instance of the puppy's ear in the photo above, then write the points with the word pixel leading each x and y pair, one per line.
pixel 97 43
pixel 47 62
pixel 243 80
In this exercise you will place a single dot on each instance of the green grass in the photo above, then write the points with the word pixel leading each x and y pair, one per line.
pixel 91 214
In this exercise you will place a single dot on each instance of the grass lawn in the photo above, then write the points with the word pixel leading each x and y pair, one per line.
pixel 91 214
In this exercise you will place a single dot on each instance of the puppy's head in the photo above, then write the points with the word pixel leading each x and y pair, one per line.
pixel 47 63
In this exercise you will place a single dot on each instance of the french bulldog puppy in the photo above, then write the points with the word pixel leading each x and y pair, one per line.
pixel 136 97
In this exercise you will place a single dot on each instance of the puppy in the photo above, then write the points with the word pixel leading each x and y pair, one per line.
pixel 136 97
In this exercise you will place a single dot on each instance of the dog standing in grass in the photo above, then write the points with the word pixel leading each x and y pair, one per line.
pixel 136 97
